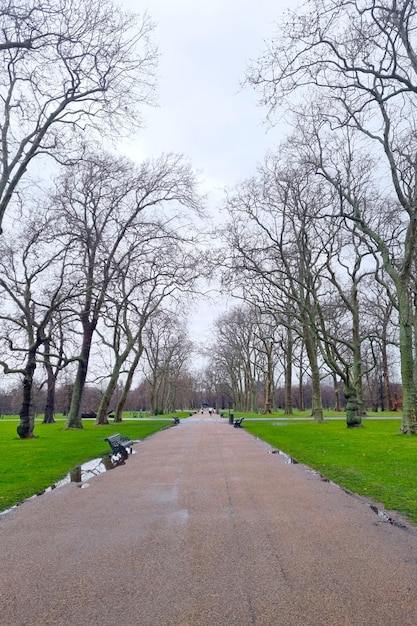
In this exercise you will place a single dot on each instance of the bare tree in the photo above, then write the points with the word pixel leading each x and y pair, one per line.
pixel 152 272
pixel 67 66
pixel 167 349
pixel 34 285
pixel 265 333
pixel 236 352
pixel 381 316
pixel 103 205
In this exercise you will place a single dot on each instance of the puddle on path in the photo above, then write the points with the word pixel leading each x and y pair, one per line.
pixel 386 518
pixel 289 460
pixel 382 515
pixel 80 475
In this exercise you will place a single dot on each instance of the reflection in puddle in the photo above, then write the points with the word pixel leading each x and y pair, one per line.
pixel 83 472
pixel 289 460
pixel 386 518
pixel 80 474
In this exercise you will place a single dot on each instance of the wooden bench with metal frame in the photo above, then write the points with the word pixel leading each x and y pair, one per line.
pixel 120 448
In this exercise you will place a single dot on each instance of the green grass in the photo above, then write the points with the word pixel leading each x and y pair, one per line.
pixel 30 465
pixel 374 461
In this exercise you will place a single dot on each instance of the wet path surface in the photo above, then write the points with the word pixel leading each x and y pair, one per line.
pixel 203 526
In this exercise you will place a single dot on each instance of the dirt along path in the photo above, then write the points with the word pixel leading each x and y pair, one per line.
pixel 204 526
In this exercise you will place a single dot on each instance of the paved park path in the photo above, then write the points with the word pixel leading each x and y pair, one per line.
pixel 203 526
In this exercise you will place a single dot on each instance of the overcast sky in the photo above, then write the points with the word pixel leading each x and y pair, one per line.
pixel 203 112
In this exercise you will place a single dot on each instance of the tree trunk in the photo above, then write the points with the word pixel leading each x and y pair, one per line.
pixel 74 416
pixel 50 391
pixel 27 414
pixel 102 410
pixel 353 418
pixel 386 382
pixel 50 402
pixel 316 402
pixel 301 406
pixel 269 381
pixel 409 422
pixel 127 385
pixel 336 388
pixel 385 367
pixel 288 375
pixel 357 351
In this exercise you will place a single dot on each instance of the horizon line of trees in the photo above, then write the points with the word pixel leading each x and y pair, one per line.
pixel 189 392
pixel 255 356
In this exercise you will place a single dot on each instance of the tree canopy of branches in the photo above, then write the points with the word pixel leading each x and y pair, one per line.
pixel 67 66
pixel 104 209
pixel 34 285
pixel 356 63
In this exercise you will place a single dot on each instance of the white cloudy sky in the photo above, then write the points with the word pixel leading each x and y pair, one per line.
pixel 203 112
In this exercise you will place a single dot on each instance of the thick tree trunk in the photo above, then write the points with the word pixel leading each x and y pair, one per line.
pixel 288 375
pixel 127 386
pixel 74 416
pixel 103 408
pixel 353 417
pixel 27 415
pixel 409 422
pixel 316 402
pixel 50 392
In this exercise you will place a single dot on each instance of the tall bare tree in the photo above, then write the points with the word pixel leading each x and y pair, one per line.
pixel 167 349
pixel 270 235
pixel 102 205
pixel 67 66
pixel 34 284
pixel 152 272
pixel 235 352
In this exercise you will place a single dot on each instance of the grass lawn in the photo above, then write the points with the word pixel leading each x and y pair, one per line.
pixel 374 461
pixel 27 466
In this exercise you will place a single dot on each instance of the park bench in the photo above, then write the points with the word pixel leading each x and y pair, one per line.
pixel 238 422
pixel 120 448
pixel 89 415
pixel 176 419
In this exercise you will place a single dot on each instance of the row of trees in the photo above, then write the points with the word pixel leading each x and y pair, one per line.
pixel 322 240
pixel 161 386
pixel 261 363
pixel 96 251
pixel 91 271
pixel 324 237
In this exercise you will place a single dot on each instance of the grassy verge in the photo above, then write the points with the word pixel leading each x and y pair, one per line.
pixel 374 461
pixel 30 465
